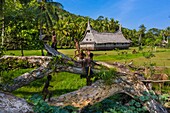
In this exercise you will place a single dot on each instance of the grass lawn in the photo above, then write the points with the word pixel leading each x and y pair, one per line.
pixel 162 56
pixel 65 82
pixel 62 83
pixel 26 52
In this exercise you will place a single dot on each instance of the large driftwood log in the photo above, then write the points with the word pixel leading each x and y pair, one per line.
pixel 130 85
pixel 87 95
pixel 45 69
pixel 99 91
pixel 12 104
pixel 31 59
pixel 39 73
pixel 55 53
pixel 126 82
pixel 28 77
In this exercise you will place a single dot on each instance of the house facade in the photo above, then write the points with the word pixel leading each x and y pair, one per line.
pixel 94 40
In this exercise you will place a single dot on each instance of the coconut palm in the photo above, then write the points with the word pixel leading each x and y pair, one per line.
pixel 112 25
pixel 142 30
pixel 47 15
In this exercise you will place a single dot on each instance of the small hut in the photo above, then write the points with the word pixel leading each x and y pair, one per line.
pixel 94 40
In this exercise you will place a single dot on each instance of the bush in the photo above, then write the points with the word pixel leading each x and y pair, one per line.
pixel 40 106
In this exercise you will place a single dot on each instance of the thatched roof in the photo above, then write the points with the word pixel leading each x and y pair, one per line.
pixel 110 37
pixel 92 35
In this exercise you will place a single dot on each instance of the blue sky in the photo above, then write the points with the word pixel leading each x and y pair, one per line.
pixel 130 13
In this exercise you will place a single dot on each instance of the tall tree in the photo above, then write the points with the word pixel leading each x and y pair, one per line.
pixel 142 30
pixel 2 2
pixel 21 25
pixel 47 12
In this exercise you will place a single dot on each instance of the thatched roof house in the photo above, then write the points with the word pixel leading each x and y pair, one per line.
pixel 94 40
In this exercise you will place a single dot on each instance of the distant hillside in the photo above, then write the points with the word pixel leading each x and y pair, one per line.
pixel 72 26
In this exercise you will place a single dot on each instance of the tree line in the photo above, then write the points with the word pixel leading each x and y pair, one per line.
pixel 23 22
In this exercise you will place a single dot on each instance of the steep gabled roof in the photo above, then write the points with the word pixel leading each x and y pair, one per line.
pixel 104 37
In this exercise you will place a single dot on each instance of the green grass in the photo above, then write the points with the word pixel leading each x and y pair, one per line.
pixel 10 75
pixel 161 59
pixel 112 58
pixel 26 52
pixel 162 56
pixel 62 83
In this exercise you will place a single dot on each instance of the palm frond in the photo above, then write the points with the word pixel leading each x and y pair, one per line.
pixel 49 20
pixel 57 4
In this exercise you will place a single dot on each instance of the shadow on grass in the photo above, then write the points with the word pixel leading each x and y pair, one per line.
pixel 56 92
pixel 26 93
pixel 37 83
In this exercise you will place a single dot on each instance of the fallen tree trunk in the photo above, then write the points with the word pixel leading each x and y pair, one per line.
pixel 39 73
pixel 125 82
pixel 26 79
pixel 55 53
pixel 99 91
pixel 31 59
pixel 87 95
pixel 46 68
pixel 12 104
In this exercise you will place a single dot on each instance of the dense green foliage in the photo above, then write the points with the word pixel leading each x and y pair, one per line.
pixel 111 105
pixel 119 103
pixel 24 22
pixel 11 69
pixel 40 106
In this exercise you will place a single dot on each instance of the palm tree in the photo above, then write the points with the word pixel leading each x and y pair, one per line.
pixel 142 30
pixel 47 14
pixel 112 25
pixel 106 25
pixel 154 31
pixel 100 18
